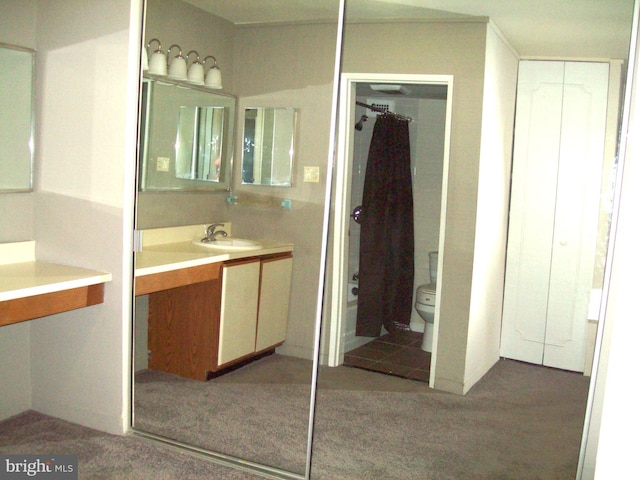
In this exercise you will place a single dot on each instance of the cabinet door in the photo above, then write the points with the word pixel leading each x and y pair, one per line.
pixel 273 312
pixel 239 310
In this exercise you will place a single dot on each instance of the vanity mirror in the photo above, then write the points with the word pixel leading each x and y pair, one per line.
pixel 16 118
pixel 186 137
pixel 268 146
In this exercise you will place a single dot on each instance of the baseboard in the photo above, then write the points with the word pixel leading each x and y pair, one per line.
pixel 479 372
pixel 295 351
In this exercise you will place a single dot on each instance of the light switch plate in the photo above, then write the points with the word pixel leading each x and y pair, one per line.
pixel 162 164
pixel 311 174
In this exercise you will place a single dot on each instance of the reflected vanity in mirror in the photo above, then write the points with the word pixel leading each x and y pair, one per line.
pixel 268 146
pixel 186 137
pixel 236 388
pixel 16 118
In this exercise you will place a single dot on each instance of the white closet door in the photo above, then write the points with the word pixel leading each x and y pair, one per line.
pixel 531 218
pixel 576 223
pixel 558 151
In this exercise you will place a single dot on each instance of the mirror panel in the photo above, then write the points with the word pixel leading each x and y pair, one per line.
pixel 258 412
pixel 268 146
pixel 351 399
pixel 16 118
pixel 199 143
pixel 187 138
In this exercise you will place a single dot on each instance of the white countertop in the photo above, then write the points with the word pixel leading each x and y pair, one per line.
pixel 21 275
pixel 19 280
pixel 174 256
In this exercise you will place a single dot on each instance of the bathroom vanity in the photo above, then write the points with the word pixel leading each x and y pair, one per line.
pixel 211 310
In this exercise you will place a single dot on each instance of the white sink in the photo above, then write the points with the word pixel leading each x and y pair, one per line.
pixel 235 244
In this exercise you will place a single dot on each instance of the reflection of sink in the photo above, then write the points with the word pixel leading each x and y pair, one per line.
pixel 232 243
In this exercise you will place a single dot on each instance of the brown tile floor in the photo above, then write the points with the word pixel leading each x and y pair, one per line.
pixel 396 354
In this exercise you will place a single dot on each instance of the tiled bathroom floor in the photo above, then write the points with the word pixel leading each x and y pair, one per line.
pixel 396 354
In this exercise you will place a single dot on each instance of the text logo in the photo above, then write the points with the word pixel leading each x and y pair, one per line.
pixel 50 467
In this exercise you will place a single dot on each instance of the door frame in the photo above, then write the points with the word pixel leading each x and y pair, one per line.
pixel 342 195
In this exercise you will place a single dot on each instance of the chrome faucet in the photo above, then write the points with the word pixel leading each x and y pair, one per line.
pixel 212 233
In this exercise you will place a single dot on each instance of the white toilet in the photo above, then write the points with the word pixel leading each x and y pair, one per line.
pixel 426 302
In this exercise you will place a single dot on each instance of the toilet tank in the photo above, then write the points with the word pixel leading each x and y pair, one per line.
pixel 433 267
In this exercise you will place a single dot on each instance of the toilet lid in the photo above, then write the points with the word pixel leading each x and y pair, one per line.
pixel 427 288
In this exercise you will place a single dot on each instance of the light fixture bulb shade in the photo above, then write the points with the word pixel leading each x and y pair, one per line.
pixel 214 78
pixel 196 73
pixel 158 63
pixel 145 60
pixel 178 68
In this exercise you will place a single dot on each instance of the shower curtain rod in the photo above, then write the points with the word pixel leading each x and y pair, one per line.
pixel 383 111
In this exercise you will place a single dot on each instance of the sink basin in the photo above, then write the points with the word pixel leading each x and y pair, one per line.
pixel 236 244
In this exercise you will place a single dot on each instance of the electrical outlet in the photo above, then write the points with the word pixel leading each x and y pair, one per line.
pixel 162 164
pixel 312 174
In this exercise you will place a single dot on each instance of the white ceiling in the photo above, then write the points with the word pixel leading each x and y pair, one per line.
pixel 535 28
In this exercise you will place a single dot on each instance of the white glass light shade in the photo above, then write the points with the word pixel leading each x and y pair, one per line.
pixel 196 73
pixel 158 63
pixel 145 60
pixel 214 78
pixel 178 68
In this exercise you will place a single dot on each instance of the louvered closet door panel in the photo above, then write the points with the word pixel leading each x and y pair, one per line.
pixel 576 213
pixel 531 218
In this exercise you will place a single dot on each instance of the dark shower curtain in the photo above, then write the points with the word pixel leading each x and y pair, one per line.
pixel 386 236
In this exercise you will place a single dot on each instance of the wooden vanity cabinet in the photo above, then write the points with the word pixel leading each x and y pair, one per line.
pixel 204 320
pixel 184 329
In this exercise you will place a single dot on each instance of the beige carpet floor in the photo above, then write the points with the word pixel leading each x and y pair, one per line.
pixel 519 422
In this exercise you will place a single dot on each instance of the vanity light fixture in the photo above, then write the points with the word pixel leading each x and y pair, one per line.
pixel 157 60
pixel 177 66
pixel 214 76
pixel 145 60
pixel 196 70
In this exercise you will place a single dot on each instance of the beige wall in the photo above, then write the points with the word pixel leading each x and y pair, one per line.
pixel 289 66
pixel 82 208
pixel 456 49
pixel 86 143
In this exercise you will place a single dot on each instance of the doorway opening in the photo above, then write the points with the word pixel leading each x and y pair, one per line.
pixel 425 100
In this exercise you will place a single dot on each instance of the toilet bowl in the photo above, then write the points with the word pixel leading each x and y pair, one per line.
pixel 426 302
pixel 426 307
